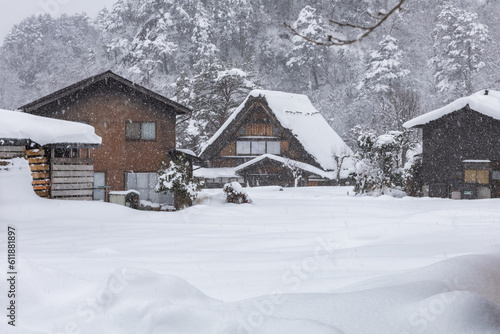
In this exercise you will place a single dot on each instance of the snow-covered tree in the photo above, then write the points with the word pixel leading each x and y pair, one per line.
pixel 46 53
pixel 459 44
pixel 384 82
pixel 202 39
pixel 297 170
pixel 380 161
pixel 384 71
pixel 143 37
pixel 306 58
pixel 178 179
pixel 217 91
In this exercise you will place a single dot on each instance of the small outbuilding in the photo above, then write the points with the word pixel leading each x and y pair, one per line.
pixel 461 147
pixel 58 153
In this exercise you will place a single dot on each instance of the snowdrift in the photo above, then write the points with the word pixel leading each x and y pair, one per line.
pixel 393 267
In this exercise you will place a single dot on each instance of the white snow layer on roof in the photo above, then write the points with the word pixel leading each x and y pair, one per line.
pixel 488 105
pixel 186 151
pixel 43 130
pixel 288 162
pixel 296 113
pixel 212 173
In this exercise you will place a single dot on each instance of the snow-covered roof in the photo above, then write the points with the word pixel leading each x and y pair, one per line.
pixel 186 151
pixel 296 113
pixel 42 130
pixel 285 161
pixel 212 173
pixel 486 102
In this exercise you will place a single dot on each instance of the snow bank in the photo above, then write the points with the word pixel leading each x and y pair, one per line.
pixel 134 301
pixel 302 260
pixel 43 130
pixel 488 105
pixel 296 113
pixel 15 182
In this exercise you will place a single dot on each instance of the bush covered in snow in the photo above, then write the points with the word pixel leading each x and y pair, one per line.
pixel 412 178
pixel 177 179
pixel 380 163
pixel 235 194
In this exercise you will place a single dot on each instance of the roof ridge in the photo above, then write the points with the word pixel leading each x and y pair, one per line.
pixel 84 83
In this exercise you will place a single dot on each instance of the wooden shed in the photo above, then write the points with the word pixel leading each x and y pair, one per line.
pixel 461 147
pixel 58 153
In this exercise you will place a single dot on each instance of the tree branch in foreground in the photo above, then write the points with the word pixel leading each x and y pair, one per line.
pixel 367 30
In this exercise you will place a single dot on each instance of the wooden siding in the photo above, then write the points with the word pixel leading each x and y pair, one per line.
pixel 258 129
pixel 448 141
pixel 72 179
pixel 108 108
pixel 284 147
pixel 9 152
pixel 229 150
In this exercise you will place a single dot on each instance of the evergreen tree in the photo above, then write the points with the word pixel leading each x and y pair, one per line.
pixel 202 39
pixel 217 90
pixel 384 81
pixel 306 58
pixel 178 179
pixel 45 54
pixel 459 44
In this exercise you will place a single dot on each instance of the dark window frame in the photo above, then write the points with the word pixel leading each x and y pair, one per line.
pixel 72 153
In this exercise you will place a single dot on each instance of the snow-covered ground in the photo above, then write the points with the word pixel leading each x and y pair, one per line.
pixel 305 260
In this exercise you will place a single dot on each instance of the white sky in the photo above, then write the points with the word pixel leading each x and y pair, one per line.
pixel 13 11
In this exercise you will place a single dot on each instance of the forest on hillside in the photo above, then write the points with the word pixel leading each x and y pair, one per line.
pixel 208 54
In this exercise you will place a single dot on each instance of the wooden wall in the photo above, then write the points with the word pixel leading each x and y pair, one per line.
pixel 448 141
pixel 72 178
pixel 108 109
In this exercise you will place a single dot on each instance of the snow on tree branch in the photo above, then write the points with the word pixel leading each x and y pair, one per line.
pixel 366 30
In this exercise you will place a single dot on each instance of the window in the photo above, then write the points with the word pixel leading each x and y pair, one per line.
pixel 273 147
pixel 145 184
pixel 477 176
pixel 66 153
pixel 133 131
pixel 276 131
pixel 242 147
pixel 242 131
pixel 140 131
pixel 148 131
pixel 258 147
pixel 99 186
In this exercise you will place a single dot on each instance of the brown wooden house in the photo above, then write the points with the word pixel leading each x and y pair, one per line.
pixel 281 126
pixel 461 147
pixel 42 141
pixel 137 127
